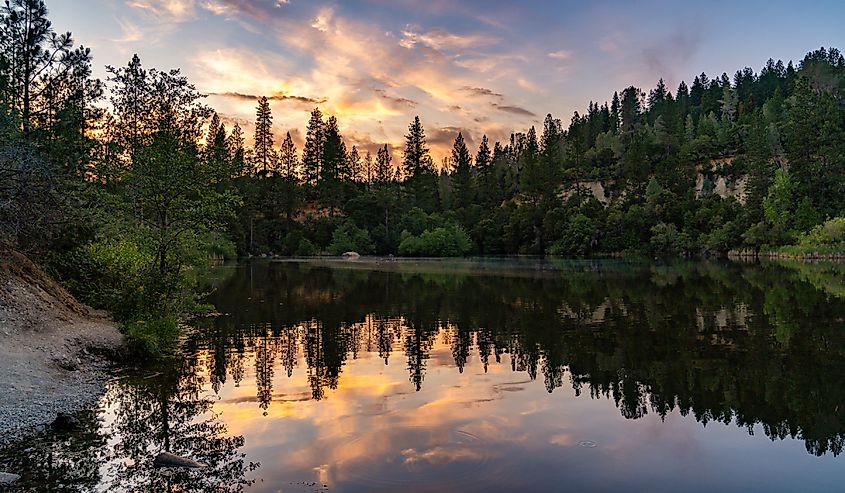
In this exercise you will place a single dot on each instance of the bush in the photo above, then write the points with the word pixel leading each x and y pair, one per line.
pixel 664 239
pixel 218 246
pixel 350 238
pixel 831 232
pixel 448 241
pixel 306 249
pixel 152 338
pixel 109 275
pixel 577 237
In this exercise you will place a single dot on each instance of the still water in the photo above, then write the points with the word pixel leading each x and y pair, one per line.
pixel 481 375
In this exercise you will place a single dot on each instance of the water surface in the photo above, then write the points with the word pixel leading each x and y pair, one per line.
pixel 471 375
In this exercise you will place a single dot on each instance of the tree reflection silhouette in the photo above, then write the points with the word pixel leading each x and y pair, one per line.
pixel 752 344
pixel 166 413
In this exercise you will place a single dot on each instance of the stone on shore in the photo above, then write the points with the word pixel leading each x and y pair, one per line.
pixel 7 478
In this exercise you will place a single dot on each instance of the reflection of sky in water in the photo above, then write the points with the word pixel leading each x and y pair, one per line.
pixel 760 344
pixel 493 431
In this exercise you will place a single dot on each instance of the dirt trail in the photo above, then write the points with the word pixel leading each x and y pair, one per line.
pixel 50 348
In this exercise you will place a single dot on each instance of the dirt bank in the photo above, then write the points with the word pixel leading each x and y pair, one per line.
pixel 51 351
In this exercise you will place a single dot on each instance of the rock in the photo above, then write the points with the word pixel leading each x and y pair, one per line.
pixel 65 422
pixel 68 364
pixel 166 459
pixel 351 255
pixel 7 478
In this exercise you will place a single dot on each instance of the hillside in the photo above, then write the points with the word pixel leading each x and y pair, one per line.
pixel 49 357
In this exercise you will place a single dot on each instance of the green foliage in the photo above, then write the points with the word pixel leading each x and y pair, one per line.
pixel 305 248
pixel 448 241
pixel 665 239
pixel 152 338
pixel 779 204
pixel 114 276
pixel 577 237
pixel 350 238
pixel 829 234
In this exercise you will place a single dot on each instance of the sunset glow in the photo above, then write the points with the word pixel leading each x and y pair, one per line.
pixel 477 67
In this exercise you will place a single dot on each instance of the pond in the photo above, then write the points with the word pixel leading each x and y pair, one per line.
pixel 480 375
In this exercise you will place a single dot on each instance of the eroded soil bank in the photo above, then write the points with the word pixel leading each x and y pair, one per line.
pixel 52 354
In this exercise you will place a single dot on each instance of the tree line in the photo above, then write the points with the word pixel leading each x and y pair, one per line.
pixel 120 187
pixel 772 139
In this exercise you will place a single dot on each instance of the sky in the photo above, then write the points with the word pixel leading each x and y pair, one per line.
pixel 479 67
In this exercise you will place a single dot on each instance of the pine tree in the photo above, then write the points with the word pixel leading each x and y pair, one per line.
pixel 483 159
pixel 416 158
pixel 353 171
pixel 263 147
pixel 288 162
pixel 42 72
pixel 215 141
pixel 657 96
pixel 531 174
pixel 216 152
pixel 383 172
pixel 630 108
pixel 369 168
pixel 334 159
pixel 551 151
pixel 131 106
pixel 614 112
pixel 236 151
pixel 462 161
pixel 312 153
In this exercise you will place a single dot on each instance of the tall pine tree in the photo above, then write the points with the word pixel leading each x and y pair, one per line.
pixel 312 153
pixel 263 148
pixel 461 177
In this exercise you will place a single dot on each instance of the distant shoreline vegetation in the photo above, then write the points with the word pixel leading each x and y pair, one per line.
pixel 120 188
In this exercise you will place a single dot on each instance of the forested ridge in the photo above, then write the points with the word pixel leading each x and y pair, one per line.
pixel 749 162
pixel 120 187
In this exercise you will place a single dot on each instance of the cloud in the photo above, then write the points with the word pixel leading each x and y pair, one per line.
pixel 528 85
pixel 612 44
pixel 410 103
pixel 516 110
pixel 440 39
pixel 323 20
pixel 445 136
pixel 482 91
pixel 130 32
pixel 677 47
pixel 560 55
pixel 364 72
pixel 273 97
pixel 166 10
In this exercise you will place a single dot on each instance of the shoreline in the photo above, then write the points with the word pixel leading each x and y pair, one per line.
pixel 55 352
pixel 743 254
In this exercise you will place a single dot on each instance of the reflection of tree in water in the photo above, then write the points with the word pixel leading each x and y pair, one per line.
pixel 141 416
pixel 59 462
pixel 167 413
pixel 722 342
pixel 264 362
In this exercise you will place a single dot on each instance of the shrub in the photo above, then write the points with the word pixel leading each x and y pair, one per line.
pixel 664 239
pixel 447 241
pixel 350 238
pixel 306 249
pixel 109 275
pixel 831 232
pixel 152 338
pixel 576 238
